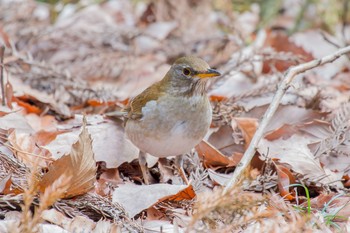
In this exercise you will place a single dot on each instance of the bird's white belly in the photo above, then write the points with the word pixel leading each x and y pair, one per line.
pixel 171 128
pixel 176 142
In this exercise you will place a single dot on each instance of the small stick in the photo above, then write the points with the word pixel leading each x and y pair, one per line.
pixel 2 81
pixel 282 88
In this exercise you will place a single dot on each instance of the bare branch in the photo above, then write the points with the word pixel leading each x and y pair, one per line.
pixel 282 88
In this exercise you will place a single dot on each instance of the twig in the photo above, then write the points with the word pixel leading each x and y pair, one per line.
pixel 2 82
pixel 282 88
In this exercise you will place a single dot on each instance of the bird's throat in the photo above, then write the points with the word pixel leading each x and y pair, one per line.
pixel 187 88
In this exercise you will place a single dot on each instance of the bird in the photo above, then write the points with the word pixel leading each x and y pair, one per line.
pixel 172 116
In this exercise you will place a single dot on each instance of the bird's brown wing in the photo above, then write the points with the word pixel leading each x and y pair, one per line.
pixel 134 109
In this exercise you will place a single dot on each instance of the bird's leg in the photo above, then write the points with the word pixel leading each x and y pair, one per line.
pixel 147 177
pixel 179 165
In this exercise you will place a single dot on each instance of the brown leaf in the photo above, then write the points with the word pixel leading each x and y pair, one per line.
pixel 248 127
pixel 285 179
pixel 5 185
pixel 281 43
pixel 185 194
pixel 213 157
pixel 295 152
pixel 333 203
pixel 80 163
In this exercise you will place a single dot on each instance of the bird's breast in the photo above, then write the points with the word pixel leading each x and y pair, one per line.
pixel 171 125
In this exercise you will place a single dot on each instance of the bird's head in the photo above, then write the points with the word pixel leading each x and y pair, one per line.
pixel 188 75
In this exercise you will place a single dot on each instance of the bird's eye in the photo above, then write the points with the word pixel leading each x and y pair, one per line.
pixel 186 71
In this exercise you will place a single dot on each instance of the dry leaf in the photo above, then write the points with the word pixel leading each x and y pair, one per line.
pixel 136 198
pixel 79 162
pixel 221 179
pixel 248 127
pixel 213 157
pixel 109 142
pixel 185 194
pixel 5 185
pixel 15 121
pixel 296 153
pixel 285 179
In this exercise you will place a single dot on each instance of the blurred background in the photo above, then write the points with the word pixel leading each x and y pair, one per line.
pixel 131 43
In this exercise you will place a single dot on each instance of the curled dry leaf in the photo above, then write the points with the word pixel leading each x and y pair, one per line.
pixel 212 157
pixel 79 162
pixel 285 179
pixel 5 185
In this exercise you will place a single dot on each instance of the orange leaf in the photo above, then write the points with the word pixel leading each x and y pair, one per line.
pixel 213 157
pixel 185 194
pixel 97 103
pixel 29 107
pixel 5 185
pixel 217 98
pixel 285 179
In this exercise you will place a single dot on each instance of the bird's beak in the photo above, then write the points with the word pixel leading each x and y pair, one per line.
pixel 208 74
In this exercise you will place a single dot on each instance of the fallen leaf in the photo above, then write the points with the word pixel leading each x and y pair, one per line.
pixel 27 102
pixel 147 195
pixel 221 179
pixel 111 145
pixel 109 142
pixel 280 41
pixel 333 204
pixel 213 157
pixel 5 185
pixel 185 194
pixel 285 179
pixel 311 41
pixel 248 127
pixel 5 110
pixel 295 152
pixel 15 121
pixel 79 162
pixel 26 150
pixel 76 224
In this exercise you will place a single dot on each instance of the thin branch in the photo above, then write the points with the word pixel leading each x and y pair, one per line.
pixel 2 81
pixel 282 88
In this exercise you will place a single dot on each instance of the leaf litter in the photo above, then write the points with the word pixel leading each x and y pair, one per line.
pixel 61 63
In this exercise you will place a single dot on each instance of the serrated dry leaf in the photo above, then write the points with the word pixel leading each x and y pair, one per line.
pixel 79 162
